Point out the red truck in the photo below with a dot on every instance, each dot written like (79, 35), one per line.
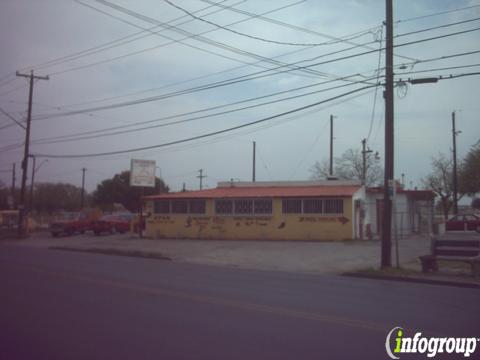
(112, 223)
(70, 223)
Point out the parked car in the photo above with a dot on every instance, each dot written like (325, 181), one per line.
(112, 223)
(70, 223)
(466, 222)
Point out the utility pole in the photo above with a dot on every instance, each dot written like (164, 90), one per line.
(201, 176)
(455, 182)
(386, 252)
(31, 183)
(83, 189)
(254, 164)
(364, 161)
(331, 146)
(21, 206)
(13, 180)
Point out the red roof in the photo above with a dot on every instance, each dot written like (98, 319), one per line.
(269, 192)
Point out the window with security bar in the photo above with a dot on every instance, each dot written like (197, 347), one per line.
(313, 206)
(244, 206)
(223, 207)
(262, 206)
(197, 206)
(333, 206)
(292, 206)
(161, 207)
(179, 206)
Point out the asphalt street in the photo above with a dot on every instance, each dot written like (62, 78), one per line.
(66, 305)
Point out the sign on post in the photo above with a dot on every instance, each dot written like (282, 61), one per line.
(142, 173)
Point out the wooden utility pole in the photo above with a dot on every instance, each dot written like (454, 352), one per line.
(331, 146)
(386, 252)
(201, 176)
(21, 206)
(82, 199)
(31, 183)
(13, 180)
(455, 181)
(365, 151)
(254, 164)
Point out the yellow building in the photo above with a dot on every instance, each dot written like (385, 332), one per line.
(324, 210)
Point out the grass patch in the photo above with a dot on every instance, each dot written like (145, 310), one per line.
(393, 271)
(113, 251)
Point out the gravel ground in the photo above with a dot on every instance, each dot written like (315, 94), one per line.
(290, 256)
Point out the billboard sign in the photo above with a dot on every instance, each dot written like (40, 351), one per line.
(142, 173)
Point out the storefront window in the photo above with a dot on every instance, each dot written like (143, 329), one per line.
(312, 206)
(162, 206)
(292, 206)
(223, 207)
(243, 206)
(197, 206)
(179, 206)
(333, 206)
(262, 206)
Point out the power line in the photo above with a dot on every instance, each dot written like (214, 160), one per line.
(333, 39)
(358, 45)
(238, 32)
(113, 43)
(262, 74)
(437, 14)
(376, 90)
(211, 133)
(437, 27)
(437, 69)
(346, 38)
(68, 137)
(437, 37)
(188, 35)
(444, 57)
(229, 136)
(12, 118)
(13, 90)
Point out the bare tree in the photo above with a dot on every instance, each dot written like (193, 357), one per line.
(469, 174)
(349, 166)
(440, 181)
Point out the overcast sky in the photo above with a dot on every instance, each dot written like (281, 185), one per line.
(126, 65)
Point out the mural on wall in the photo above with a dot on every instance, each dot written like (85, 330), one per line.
(201, 222)
(218, 223)
(162, 219)
(343, 220)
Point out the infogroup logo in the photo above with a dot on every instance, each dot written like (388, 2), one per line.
(397, 343)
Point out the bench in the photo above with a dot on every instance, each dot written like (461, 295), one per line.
(453, 250)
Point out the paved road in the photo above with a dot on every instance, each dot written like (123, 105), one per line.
(64, 305)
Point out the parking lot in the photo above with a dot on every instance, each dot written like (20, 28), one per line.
(290, 256)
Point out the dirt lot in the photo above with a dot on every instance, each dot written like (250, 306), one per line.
(291, 256)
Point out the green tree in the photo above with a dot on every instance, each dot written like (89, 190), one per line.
(118, 190)
(50, 197)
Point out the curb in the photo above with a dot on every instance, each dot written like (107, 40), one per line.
(116, 252)
(413, 280)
